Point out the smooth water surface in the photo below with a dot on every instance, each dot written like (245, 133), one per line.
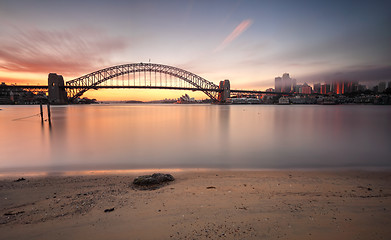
(165, 136)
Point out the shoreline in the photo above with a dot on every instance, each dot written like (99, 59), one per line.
(14, 173)
(199, 204)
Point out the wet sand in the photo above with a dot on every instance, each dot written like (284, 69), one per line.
(200, 204)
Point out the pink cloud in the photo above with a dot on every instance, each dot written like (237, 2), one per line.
(234, 34)
(71, 52)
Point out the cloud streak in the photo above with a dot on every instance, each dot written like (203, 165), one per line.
(71, 52)
(243, 26)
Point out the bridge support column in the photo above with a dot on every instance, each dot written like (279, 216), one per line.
(225, 91)
(57, 94)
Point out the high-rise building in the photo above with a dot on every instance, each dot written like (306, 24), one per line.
(278, 84)
(350, 87)
(286, 83)
(325, 88)
(338, 87)
(342, 87)
(293, 84)
(317, 88)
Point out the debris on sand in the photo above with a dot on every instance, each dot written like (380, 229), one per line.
(109, 209)
(20, 179)
(152, 182)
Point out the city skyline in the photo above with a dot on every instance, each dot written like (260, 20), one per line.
(247, 42)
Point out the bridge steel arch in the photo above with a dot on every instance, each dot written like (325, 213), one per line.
(77, 87)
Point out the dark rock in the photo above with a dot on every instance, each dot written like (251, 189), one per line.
(13, 213)
(20, 179)
(109, 210)
(211, 187)
(151, 182)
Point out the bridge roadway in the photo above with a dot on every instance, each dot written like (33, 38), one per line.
(45, 88)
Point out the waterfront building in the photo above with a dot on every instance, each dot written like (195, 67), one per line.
(283, 100)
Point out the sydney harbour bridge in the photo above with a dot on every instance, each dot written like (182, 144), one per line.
(135, 75)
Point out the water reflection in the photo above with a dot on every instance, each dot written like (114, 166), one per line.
(172, 136)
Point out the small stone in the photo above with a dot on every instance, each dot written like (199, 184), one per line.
(109, 209)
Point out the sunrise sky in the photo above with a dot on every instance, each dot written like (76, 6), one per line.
(248, 42)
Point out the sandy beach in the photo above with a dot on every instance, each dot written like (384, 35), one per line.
(199, 204)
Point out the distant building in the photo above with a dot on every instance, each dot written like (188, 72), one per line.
(283, 100)
(350, 87)
(305, 89)
(284, 83)
(362, 88)
(297, 88)
(325, 88)
(270, 90)
(382, 87)
(343, 87)
(186, 99)
(338, 88)
(293, 84)
(317, 87)
(278, 84)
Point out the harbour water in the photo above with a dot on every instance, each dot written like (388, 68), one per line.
(133, 136)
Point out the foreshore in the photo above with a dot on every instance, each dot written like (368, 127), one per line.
(199, 204)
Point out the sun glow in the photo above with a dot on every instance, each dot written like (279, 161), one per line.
(140, 94)
(12, 77)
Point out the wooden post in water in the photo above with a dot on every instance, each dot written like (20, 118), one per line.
(49, 117)
(41, 111)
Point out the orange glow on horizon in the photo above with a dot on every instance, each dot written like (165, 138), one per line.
(12, 77)
(140, 94)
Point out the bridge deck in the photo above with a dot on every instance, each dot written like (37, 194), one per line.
(43, 87)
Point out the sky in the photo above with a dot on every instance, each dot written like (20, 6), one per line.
(248, 42)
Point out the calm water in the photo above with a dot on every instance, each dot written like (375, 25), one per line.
(166, 136)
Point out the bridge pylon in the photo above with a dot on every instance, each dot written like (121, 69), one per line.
(57, 94)
(224, 91)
